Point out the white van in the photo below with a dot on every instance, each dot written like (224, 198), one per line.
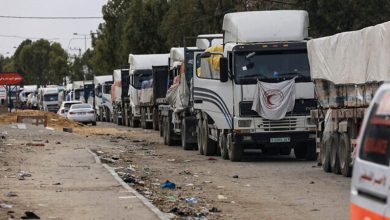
(371, 172)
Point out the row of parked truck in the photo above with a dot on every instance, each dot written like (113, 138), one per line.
(202, 96)
(263, 84)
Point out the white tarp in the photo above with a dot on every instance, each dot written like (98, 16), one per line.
(116, 87)
(178, 94)
(352, 57)
(273, 100)
(265, 26)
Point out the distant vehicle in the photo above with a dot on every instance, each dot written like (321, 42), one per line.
(103, 103)
(369, 191)
(28, 89)
(65, 106)
(48, 99)
(83, 113)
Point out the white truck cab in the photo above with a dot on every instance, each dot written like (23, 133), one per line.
(371, 171)
(103, 103)
(266, 46)
(140, 71)
(48, 99)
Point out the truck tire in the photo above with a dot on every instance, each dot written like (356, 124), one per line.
(334, 153)
(325, 153)
(209, 146)
(345, 155)
(222, 146)
(164, 127)
(142, 119)
(235, 150)
(199, 136)
(155, 119)
(160, 126)
(169, 133)
(184, 136)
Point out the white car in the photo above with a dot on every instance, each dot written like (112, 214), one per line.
(83, 113)
(63, 111)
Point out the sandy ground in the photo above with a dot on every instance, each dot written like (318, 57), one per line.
(257, 188)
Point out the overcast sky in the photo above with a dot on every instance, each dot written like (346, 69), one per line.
(12, 31)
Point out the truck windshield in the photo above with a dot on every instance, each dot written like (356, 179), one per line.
(376, 139)
(50, 97)
(78, 93)
(271, 66)
(140, 76)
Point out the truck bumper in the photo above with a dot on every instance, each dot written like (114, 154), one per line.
(275, 138)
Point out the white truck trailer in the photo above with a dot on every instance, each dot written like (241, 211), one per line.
(347, 69)
(103, 103)
(140, 72)
(260, 94)
(48, 99)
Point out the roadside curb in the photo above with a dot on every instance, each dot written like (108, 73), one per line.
(146, 202)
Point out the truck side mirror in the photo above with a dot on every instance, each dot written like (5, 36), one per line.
(224, 70)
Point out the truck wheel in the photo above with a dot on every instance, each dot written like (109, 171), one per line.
(164, 128)
(142, 119)
(345, 155)
(155, 120)
(334, 155)
(325, 153)
(160, 127)
(184, 136)
(223, 147)
(199, 137)
(209, 146)
(169, 133)
(235, 150)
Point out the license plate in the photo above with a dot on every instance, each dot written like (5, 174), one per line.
(280, 140)
(82, 113)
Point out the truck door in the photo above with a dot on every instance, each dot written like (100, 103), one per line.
(209, 94)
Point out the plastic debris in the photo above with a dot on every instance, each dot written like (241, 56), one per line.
(222, 197)
(168, 184)
(214, 209)
(69, 130)
(212, 158)
(171, 160)
(11, 194)
(235, 176)
(24, 174)
(5, 206)
(30, 215)
(191, 200)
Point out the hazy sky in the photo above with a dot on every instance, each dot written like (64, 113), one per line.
(13, 31)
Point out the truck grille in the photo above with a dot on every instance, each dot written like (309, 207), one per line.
(301, 107)
(52, 108)
(286, 124)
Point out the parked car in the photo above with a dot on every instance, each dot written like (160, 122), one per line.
(371, 172)
(65, 106)
(83, 113)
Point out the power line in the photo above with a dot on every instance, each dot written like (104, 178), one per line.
(21, 37)
(48, 18)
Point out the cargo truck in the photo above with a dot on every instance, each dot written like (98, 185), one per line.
(140, 73)
(48, 99)
(257, 92)
(177, 118)
(347, 69)
(103, 103)
(120, 96)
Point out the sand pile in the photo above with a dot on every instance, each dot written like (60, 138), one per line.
(54, 120)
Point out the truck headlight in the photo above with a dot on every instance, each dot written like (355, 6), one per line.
(244, 123)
